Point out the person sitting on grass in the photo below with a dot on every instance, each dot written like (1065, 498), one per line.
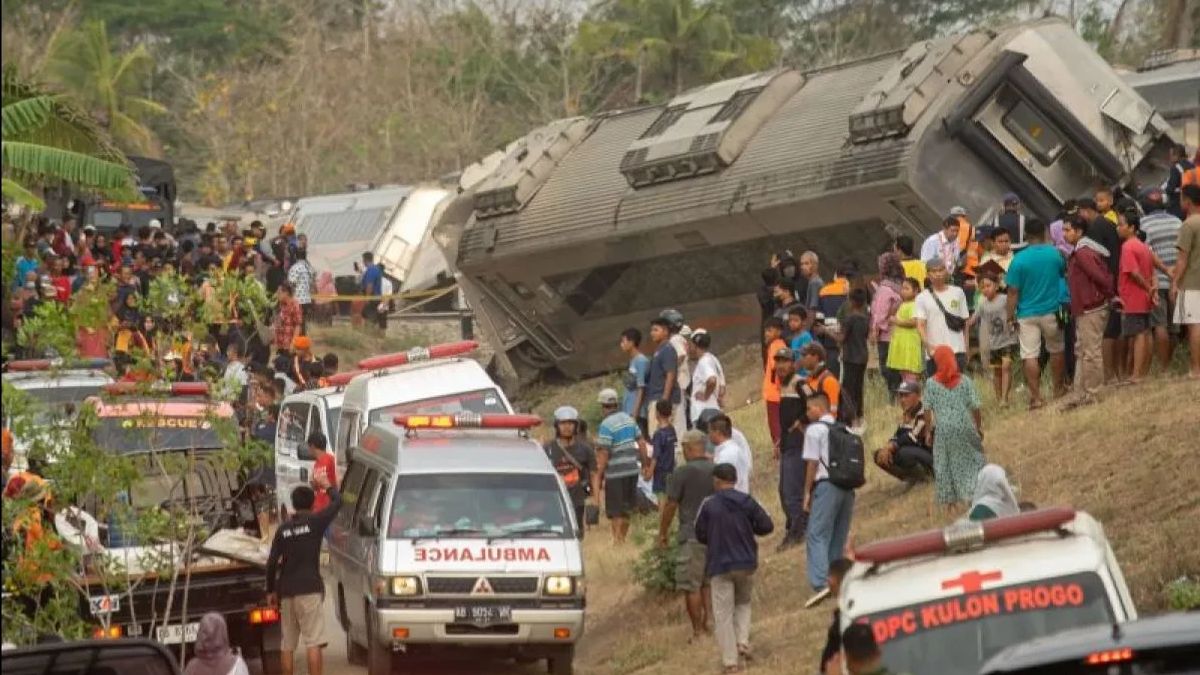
(907, 455)
(999, 343)
(994, 497)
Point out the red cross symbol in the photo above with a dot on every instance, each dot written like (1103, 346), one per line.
(972, 581)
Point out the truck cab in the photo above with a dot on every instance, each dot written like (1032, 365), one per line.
(945, 601)
(300, 415)
(456, 532)
(434, 379)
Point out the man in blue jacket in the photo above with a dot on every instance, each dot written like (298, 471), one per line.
(727, 524)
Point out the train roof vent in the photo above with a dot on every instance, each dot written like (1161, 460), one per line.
(705, 129)
(526, 166)
(897, 101)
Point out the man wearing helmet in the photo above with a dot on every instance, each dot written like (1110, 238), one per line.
(683, 373)
(573, 458)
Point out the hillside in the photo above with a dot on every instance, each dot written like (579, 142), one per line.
(1131, 461)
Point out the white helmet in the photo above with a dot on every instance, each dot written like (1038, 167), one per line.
(566, 414)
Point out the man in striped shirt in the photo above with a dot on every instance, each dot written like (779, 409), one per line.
(619, 450)
(1162, 234)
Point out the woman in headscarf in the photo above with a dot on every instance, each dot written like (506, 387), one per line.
(213, 654)
(953, 404)
(883, 307)
(994, 496)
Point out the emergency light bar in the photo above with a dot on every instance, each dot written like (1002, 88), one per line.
(417, 354)
(171, 388)
(467, 420)
(32, 365)
(964, 536)
(343, 379)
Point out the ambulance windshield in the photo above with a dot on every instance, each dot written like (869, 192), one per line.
(958, 634)
(480, 401)
(478, 505)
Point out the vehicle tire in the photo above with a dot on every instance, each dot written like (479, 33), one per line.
(379, 656)
(356, 654)
(562, 662)
(272, 662)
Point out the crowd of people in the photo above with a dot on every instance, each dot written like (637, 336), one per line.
(1094, 297)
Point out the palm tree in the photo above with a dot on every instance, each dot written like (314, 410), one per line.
(48, 140)
(678, 41)
(109, 85)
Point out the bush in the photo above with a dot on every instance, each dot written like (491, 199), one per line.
(654, 568)
(1183, 594)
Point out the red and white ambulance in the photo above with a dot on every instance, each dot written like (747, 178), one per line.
(945, 601)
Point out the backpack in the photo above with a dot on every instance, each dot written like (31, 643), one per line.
(847, 459)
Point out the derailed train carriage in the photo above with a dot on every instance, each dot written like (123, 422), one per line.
(591, 225)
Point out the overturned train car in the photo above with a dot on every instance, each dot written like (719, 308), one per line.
(591, 225)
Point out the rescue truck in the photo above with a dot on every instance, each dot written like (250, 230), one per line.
(456, 532)
(435, 379)
(945, 601)
(225, 572)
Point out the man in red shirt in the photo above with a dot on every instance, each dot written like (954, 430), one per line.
(287, 317)
(1138, 292)
(62, 282)
(324, 471)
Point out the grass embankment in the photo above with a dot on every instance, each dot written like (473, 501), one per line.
(1131, 461)
(353, 343)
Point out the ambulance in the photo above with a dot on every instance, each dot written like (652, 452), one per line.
(455, 533)
(435, 379)
(300, 415)
(55, 388)
(945, 601)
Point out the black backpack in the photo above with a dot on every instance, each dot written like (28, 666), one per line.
(847, 459)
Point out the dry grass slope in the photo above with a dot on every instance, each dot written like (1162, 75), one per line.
(1133, 461)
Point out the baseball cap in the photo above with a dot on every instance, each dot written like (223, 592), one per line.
(672, 316)
(958, 211)
(686, 331)
(1153, 195)
(785, 354)
(155, 223)
(908, 388)
(1011, 198)
(607, 397)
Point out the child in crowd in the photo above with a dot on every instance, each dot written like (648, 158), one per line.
(856, 325)
(904, 353)
(663, 454)
(801, 336)
(998, 342)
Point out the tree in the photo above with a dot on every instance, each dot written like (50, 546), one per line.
(110, 85)
(49, 140)
(673, 44)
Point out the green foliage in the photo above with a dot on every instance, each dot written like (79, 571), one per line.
(109, 84)
(91, 305)
(49, 331)
(1183, 594)
(654, 569)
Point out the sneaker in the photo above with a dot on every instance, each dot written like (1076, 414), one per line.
(817, 598)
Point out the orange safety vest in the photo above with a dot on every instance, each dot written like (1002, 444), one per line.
(967, 243)
(1191, 176)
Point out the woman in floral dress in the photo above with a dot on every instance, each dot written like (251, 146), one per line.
(953, 405)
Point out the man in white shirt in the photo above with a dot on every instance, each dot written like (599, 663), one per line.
(943, 244)
(706, 376)
(729, 450)
(931, 317)
(829, 507)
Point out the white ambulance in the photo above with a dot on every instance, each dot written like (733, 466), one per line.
(456, 532)
(435, 379)
(300, 415)
(945, 601)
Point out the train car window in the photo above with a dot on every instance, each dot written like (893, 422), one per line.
(1034, 132)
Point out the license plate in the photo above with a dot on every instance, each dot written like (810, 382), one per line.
(104, 604)
(173, 635)
(483, 615)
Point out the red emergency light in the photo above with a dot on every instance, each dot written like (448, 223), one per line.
(963, 536)
(466, 420)
(343, 379)
(417, 354)
(171, 388)
(33, 365)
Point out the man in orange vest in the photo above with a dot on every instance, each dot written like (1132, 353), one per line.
(971, 250)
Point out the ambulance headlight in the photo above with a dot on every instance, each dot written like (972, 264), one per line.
(559, 585)
(404, 586)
